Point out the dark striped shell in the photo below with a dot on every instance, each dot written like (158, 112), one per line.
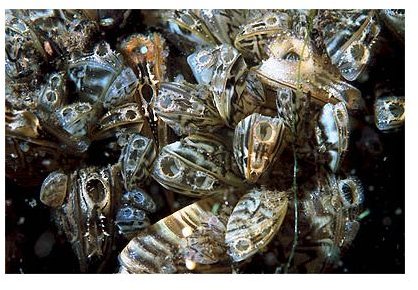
(86, 217)
(136, 159)
(186, 23)
(224, 24)
(257, 141)
(254, 221)
(125, 116)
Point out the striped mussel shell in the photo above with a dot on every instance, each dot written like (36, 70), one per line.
(124, 116)
(187, 24)
(187, 108)
(136, 159)
(196, 166)
(86, 214)
(223, 23)
(54, 189)
(175, 244)
(224, 69)
(349, 43)
(254, 37)
(254, 221)
(258, 140)
(332, 134)
(102, 77)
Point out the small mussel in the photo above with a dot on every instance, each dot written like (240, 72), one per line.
(389, 113)
(126, 116)
(132, 215)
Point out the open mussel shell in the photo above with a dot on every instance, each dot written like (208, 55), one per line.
(196, 166)
(310, 73)
(389, 113)
(258, 140)
(254, 221)
(187, 108)
(332, 134)
(165, 246)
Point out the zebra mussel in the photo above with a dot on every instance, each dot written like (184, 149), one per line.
(196, 141)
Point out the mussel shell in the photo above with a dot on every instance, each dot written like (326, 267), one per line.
(310, 73)
(258, 140)
(196, 166)
(186, 23)
(160, 249)
(136, 159)
(88, 213)
(128, 115)
(54, 189)
(187, 108)
(224, 24)
(254, 36)
(389, 113)
(102, 77)
(350, 43)
(332, 134)
(254, 221)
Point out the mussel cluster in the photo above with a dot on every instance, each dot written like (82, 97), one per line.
(191, 141)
